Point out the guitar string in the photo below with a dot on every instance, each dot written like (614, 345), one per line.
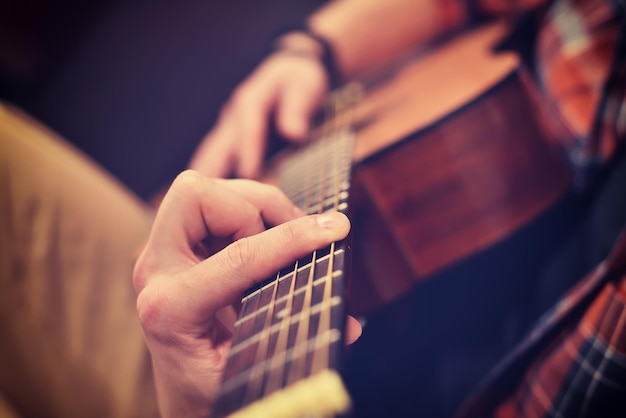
(313, 188)
(276, 372)
(298, 364)
(255, 387)
(255, 383)
(321, 357)
(274, 376)
(298, 361)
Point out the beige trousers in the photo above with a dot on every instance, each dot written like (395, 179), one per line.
(70, 344)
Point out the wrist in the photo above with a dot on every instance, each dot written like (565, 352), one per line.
(177, 395)
(299, 42)
(302, 42)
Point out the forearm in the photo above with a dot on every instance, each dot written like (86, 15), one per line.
(366, 33)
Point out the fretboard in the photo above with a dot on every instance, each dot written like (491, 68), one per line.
(288, 339)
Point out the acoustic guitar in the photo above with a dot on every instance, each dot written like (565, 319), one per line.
(433, 173)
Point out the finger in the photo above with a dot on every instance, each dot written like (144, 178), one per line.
(222, 278)
(353, 330)
(253, 110)
(298, 101)
(196, 207)
(274, 206)
(214, 156)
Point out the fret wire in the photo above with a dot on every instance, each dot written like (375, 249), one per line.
(284, 313)
(315, 309)
(298, 367)
(259, 368)
(285, 277)
(247, 304)
(298, 363)
(303, 327)
(274, 379)
(318, 188)
(255, 385)
(320, 359)
(298, 291)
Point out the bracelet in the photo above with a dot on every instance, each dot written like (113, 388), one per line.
(325, 55)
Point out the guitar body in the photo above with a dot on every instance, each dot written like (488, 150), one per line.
(458, 156)
(453, 216)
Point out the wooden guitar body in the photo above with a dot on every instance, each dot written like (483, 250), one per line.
(458, 155)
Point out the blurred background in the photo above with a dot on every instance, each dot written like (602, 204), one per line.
(134, 83)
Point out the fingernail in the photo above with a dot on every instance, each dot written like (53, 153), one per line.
(331, 220)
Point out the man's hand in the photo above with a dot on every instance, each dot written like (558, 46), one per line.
(287, 84)
(208, 245)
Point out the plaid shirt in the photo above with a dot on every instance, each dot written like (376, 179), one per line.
(575, 48)
(574, 362)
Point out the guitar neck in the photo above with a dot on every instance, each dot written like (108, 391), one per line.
(288, 339)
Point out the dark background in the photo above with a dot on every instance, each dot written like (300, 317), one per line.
(134, 83)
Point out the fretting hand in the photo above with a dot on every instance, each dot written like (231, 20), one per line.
(207, 246)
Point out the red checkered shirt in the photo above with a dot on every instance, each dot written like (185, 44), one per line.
(573, 364)
(574, 361)
(574, 52)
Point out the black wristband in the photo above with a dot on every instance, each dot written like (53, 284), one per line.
(326, 56)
